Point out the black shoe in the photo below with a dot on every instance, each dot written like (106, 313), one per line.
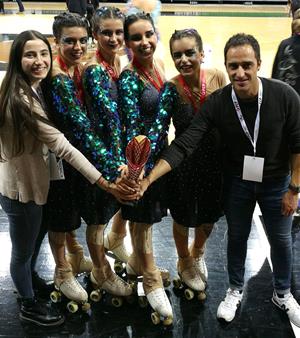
(40, 286)
(39, 313)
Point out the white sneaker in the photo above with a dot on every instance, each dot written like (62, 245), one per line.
(229, 305)
(288, 304)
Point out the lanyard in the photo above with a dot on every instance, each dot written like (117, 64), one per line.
(188, 92)
(111, 71)
(241, 117)
(76, 78)
(147, 76)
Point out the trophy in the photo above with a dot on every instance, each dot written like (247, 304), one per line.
(137, 154)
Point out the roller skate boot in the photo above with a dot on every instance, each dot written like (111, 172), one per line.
(114, 246)
(198, 255)
(79, 262)
(157, 298)
(104, 280)
(189, 279)
(201, 266)
(67, 285)
(134, 270)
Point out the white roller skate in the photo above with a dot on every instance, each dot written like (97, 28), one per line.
(134, 270)
(114, 246)
(157, 298)
(198, 255)
(189, 279)
(79, 262)
(105, 280)
(66, 284)
(201, 266)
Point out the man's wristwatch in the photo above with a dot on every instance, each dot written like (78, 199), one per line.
(295, 189)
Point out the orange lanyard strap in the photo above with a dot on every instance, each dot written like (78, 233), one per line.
(147, 76)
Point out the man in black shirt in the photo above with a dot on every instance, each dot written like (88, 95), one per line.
(259, 123)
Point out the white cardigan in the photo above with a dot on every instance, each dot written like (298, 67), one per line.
(26, 177)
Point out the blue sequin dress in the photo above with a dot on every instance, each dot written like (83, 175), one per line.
(193, 188)
(75, 197)
(138, 103)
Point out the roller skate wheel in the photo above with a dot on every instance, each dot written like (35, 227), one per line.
(118, 266)
(177, 283)
(72, 307)
(168, 321)
(201, 296)
(189, 294)
(143, 302)
(95, 296)
(117, 301)
(55, 296)
(85, 307)
(155, 318)
(166, 283)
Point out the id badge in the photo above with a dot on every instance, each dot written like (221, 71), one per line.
(56, 168)
(253, 168)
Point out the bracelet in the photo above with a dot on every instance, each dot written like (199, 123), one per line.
(104, 184)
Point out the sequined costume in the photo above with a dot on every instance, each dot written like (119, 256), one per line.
(74, 197)
(193, 188)
(138, 102)
(101, 95)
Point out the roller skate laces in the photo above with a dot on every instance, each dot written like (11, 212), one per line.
(189, 273)
(79, 262)
(156, 295)
(115, 243)
(110, 282)
(201, 266)
(65, 282)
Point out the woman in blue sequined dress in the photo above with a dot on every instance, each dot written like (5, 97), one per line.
(139, 86)
(194, 188)
(100, 88)
(73, 198)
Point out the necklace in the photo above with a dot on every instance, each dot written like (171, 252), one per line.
(111, 70)
(194, 97)
(76, 77)
(156, 83)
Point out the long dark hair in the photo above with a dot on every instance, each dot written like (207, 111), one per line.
(15, 86)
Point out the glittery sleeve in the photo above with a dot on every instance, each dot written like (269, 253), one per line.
(103, 111)
(130, 88)
(70, 117)
(168, 101)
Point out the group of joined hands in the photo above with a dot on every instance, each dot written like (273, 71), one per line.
(125, 189)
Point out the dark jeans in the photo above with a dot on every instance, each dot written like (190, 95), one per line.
(20, 4)
(240, 198)
(24, 226)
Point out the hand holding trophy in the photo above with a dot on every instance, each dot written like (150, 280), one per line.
(137, 154)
